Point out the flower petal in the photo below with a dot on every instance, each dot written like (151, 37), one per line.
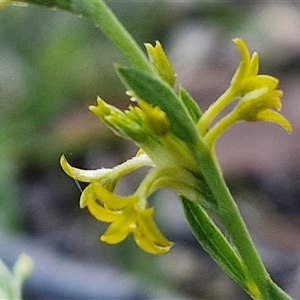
(82, 175)
(156, 119)
(258, 100)
(145, 244)
(119, 229)
(148, 236)
(274, 117)
(111, 200)
(87, 196)
(259, 81)
(243, 67)
(253, 65)
(101, 213)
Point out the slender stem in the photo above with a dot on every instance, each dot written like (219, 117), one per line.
(114, 30)
(214, 109)
(234, 225)
(214, 133)
(236, 228)
(277, 293)
(101, 14)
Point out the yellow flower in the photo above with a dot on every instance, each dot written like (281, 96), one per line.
(246, 77)
(127, 215)
(131, 214)
(258, 99)
(171, 131)
(161, 63)
(149, 128)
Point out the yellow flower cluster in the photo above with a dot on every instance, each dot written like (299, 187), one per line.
(131, 214)
(126, 214)
(258, 99)
(164, 148)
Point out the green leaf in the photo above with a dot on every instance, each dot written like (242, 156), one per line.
(214, 242)
(6, 283)
(190, 104)
(153, 90)
(11, 282)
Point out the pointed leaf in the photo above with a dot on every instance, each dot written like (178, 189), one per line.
(190, 104)
(214, 242)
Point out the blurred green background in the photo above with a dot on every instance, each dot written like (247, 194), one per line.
(53, 65)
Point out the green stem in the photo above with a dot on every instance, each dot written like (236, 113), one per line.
(115, 31)
(217, 129)
(277, 293)
(214, 109)
(233, 223)
(101, 14)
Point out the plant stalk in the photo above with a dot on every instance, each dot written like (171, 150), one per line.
(230, 217)
(228, 210)
(114, 30)
(107, 21)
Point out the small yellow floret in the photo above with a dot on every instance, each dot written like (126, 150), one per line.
(258, 99)
(126, 216)
(156, 118)
(161, 62)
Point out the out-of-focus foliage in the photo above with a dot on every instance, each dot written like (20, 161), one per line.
(49, 73)
(11, 282)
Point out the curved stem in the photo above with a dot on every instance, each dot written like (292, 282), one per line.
(214, 109)
(213, 134)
